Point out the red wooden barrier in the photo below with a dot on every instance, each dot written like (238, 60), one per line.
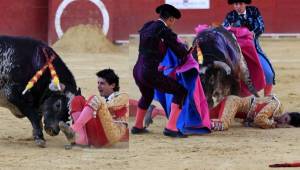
(24, 18)
(48, 19)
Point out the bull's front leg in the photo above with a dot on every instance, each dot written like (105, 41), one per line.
(36, 121)
(26, 106)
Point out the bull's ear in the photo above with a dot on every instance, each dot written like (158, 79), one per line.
(62, 86)
(78, 92)
(38, 61)
(203, 70)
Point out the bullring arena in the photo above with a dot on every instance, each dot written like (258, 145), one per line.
(85, 50)
(238, 148)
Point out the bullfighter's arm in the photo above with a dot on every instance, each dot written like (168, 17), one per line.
(233, 104)
(170, 38)
(227, 21)
(113, 131)
(257, 26)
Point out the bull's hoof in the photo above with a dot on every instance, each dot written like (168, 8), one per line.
(40, 143)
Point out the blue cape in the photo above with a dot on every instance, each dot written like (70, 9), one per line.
(190, 119)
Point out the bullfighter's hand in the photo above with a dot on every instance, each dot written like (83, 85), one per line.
(217, 125)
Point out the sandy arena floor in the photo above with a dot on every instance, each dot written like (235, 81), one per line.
(238, 148)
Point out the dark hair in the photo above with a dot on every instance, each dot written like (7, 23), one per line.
(165, 15)
(295, 119)
(166, 11)
(110, 76)
(235, 1)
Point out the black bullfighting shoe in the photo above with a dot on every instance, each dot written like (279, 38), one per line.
(68, 131)
(136, 131)
(174, 134)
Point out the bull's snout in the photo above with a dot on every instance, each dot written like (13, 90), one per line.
(217, 97)
(52, 131)
(216, 94)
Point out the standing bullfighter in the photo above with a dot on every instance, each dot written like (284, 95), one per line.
(155, 38)
(249, 17)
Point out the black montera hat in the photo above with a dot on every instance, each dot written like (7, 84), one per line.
(234, 1)
(169, 10)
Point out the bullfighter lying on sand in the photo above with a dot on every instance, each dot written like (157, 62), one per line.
(264, 112)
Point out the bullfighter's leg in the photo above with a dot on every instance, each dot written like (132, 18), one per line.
(76, 108)
(82, 139)
(171, 86)
(26, 106)
(269, 75)
(85, 115)
(114, 129)
(265, 117)
(143, 104)
(76, 132)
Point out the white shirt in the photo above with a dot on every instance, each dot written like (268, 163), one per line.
(114, 94)
(163, 22)
(245, 14)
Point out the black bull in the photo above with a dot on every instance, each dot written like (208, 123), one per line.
(20, 59)
(223, 67)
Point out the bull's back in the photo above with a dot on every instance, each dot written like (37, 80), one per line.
(24, 57)
(218, 44)
(21, 47)
(16, 67)
(16, 56)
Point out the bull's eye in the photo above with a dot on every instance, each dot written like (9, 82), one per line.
(211, 80)
(57, 105)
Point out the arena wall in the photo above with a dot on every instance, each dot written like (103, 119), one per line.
(24, 18)
(39, 18)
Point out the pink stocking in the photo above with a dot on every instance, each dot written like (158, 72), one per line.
(80, 119)
(175, 110)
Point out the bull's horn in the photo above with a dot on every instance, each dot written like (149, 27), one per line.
(220, 64)
(203, 70)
